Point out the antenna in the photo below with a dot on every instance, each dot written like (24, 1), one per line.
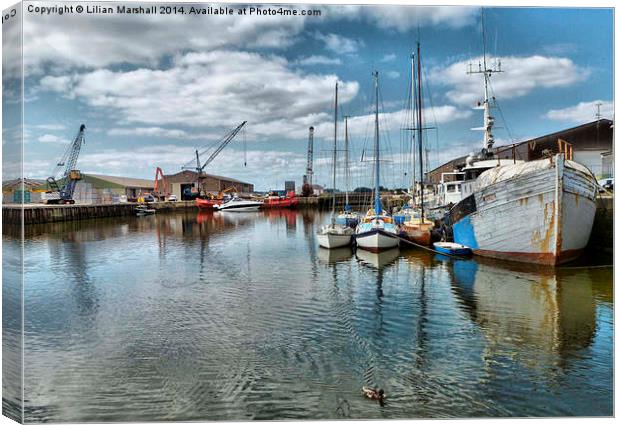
(487, 71)
(598, 110)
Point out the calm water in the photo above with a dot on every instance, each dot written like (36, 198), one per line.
(243, 316)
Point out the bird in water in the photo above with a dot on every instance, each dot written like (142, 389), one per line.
(374, 393)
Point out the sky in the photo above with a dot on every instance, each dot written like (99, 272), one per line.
(153, 88)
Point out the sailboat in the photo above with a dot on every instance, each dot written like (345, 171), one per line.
(416, 227)
(376, 231)
(540, 211)
(334, 235)
(347, 217)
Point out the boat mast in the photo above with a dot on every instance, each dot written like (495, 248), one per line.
(378, 208)
(412, 107)
(346, 163)
(489, 120)
(420, 134)
(334, 156)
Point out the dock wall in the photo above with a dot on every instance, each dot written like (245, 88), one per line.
(35, 214)
(602, 236)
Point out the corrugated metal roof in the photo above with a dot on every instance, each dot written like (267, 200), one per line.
(124, 181)
(190, 176)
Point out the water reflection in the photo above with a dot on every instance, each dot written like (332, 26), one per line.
(331, 256)
(205, 316)
(549, 312)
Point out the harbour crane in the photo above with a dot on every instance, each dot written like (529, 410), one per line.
(160, 187)
(306, 188)
(70, 176)
(200, 167)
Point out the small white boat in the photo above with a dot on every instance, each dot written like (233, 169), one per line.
(237, 204)
(452, 248)
(334, 236)
(144, 210)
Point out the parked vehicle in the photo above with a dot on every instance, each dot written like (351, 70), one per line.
(172, 198)
(606, 184)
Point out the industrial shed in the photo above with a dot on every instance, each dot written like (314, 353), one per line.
(178, 183)
(103, 189)
(591, 144)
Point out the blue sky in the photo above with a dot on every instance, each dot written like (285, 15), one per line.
(152, 89)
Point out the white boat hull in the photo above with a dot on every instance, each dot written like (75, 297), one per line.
(241, 209)
(543, 216)
(331, 240)
(239, 205)
(376, 240)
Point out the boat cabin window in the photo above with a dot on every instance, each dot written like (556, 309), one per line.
(452, 188)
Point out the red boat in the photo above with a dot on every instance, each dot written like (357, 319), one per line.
(276, 201)
(207, 204)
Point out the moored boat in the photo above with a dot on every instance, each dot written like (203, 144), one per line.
(451, 248)
(144, 210)
(415, 226)
(274, 200)
(376, 231)
(208, 204)
(540, 211)
(335, 235)
(237, 204)
(417, 230)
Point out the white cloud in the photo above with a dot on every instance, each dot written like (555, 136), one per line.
(339, 44)
(50, 138)
(318, 60)
(405, 18)
(94, 41)
(393, 74)
(150, 132)
(394, 121)
(582, 112)
(240, 86)
(51, 127)
(521, 76)
(388, 58)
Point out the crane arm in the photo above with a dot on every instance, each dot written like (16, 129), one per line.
(227, 139)
(69, 159)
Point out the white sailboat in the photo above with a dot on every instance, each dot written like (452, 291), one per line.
(334, 235)
(376, 231)
(540, 211)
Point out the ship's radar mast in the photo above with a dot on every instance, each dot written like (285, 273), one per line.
(487, 70)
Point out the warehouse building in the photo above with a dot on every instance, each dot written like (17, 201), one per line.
(178, 184)
(17, 191)
(103, 189)
(591, 144)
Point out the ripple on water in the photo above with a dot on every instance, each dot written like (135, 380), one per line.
(223, 316)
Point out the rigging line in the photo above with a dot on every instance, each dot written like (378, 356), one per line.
(430, 100)
(501, 112)
(387, 139)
